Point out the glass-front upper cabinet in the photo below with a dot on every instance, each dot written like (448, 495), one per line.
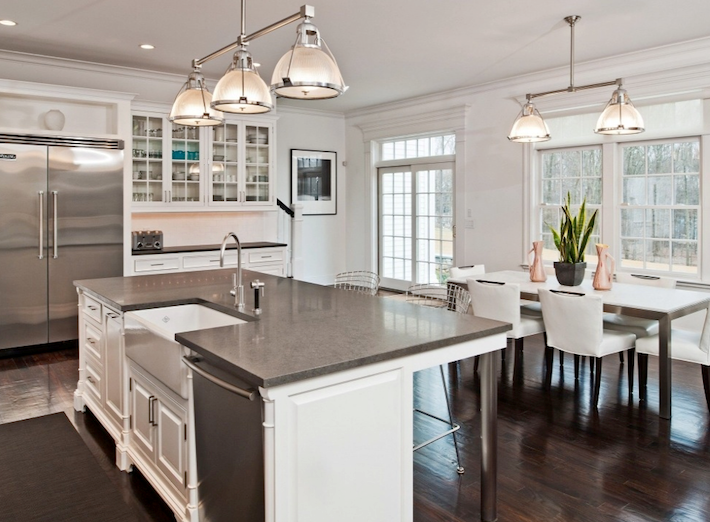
(257, 182)
(147, 157)
(241, 165)
(225, 165)
(185, 177)
(229, 166)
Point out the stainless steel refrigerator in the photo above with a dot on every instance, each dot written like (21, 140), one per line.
(61, 219)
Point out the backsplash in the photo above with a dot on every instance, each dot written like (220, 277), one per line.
(207, 228)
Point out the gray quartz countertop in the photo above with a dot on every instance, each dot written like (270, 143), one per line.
(305, 330)
(205, 248)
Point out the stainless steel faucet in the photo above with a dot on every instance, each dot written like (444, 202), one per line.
(238, 290)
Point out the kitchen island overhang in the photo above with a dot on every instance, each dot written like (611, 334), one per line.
(335, 374)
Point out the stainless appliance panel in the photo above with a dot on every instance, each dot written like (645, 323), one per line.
(23, 245)
(85, 225)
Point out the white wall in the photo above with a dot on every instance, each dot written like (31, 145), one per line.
(495, 186)
(324, 237)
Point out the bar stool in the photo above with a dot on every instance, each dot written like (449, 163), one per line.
(361, 281)
(455, 299)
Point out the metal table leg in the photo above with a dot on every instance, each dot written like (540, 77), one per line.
(664, 366)
(489, 437)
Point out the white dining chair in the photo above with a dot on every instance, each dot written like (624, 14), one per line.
(361, 281)
(461, 272)
(573, 322)
(456, 299)
(636, 325)
(688, 346)
(501, 301)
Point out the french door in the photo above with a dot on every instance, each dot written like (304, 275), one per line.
(416, 224)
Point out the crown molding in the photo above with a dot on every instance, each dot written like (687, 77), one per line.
(648, 65)
(47, 90)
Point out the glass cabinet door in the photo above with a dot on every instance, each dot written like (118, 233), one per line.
(185, 165)
(225, 164)
(147, 157)
(257, 183)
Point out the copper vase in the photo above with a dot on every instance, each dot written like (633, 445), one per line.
(537, 269)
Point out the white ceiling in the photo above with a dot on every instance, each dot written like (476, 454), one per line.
(387, 49)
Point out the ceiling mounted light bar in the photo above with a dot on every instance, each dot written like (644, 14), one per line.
(304, 72)
(619, 116)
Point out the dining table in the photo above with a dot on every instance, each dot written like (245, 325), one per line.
(648, 302)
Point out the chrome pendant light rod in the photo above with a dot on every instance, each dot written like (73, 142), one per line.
(572, 20)
(306, 11)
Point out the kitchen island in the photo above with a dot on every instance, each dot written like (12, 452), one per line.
(334, 375)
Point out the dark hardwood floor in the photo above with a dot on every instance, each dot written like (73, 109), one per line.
(559, 460)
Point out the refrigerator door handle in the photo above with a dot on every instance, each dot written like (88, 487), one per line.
(41, 222)
(56, 226)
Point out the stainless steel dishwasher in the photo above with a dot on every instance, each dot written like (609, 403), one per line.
(229, 445)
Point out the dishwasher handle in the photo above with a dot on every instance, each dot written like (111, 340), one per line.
(191, 363)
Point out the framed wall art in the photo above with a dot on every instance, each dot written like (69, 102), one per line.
(313, 181)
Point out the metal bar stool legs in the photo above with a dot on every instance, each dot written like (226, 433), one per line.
(453, 427)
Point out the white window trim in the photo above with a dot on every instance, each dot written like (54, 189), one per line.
(448, 120)
(611, 197)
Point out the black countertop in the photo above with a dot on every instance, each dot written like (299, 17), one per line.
(204, 248)
(305, 330)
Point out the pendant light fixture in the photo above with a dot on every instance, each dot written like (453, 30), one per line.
(307, 71)
(192, 104)
(241, 89)
(619, 117)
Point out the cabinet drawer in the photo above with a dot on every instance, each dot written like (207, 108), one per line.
(208, 261)
(92, 340)
(270, 256)
(277, 270)
(92, 308)
(156, 265)
(94, 370)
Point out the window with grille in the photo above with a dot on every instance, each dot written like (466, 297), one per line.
(420, 147)
(660, 207)
(579, 173)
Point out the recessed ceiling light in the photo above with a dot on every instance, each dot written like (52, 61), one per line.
(147, 46)
(8, 22)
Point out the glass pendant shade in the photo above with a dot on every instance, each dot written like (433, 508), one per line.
(619, 116)
(241, 90)
(529, 127)
(192, 104)
(307, 71)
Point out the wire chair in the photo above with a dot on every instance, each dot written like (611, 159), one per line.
(456, 299)
(360, 281)
(451, 297)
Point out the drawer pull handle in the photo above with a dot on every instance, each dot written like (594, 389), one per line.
(157, 264)
(265, 257)
(112, 316)
(91, 380)
(191, 362)
(92, 308)
(92, 341)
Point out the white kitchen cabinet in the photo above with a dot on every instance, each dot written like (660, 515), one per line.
(227, 167)
(101, 355)
(242, 165)
(269, 260)
(159, 431)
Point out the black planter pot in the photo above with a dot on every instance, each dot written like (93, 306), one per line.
(570, 274)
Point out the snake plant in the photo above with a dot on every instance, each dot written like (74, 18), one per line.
(573, 235)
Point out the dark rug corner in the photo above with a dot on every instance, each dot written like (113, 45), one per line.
(48, 473)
